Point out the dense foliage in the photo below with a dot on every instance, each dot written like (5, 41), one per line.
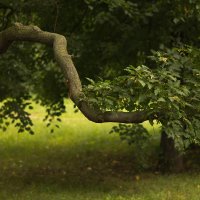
(170, 90)
(156, 42)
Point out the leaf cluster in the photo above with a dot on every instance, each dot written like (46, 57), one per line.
(170, 90)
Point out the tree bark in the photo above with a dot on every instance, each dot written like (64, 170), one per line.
(171, 160)
(19, 32)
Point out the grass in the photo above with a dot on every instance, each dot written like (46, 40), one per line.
(81, 161)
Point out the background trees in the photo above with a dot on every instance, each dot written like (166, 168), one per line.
(105, 36)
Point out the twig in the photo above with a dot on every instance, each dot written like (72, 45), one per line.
(56, 18)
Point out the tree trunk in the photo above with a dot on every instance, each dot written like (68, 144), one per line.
(171, 160)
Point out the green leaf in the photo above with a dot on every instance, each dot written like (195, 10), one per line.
(161, 99)
(142, 82)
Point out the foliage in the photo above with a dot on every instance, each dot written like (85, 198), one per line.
(139, 137)
(104, 36)
(13, 111)
(32, 78)
(135, 133)
(171, 91)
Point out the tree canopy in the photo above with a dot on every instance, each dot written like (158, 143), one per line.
(141, 59)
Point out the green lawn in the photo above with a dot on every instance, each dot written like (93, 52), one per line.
(82, 161)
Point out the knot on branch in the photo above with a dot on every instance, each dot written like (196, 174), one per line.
(18, 24)
(36, 28)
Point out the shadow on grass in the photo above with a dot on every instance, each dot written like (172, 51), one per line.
(45, 170)
(65, 168)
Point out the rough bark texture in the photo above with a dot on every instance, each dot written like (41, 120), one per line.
(19, 32)
(171, 159)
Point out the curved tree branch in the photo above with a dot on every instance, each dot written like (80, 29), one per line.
(19, 32)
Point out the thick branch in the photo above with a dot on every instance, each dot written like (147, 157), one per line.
(19, 32)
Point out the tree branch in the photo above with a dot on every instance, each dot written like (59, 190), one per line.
(19, 32)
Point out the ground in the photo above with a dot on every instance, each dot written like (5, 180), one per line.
(82, 161)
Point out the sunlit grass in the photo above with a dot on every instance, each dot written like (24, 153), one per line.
(82, 161)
